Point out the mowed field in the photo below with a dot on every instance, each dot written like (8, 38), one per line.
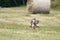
(15, 25)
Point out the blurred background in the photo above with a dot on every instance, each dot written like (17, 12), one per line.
(12, 3)
(55, 4)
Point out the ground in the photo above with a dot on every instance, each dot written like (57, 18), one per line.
(15, 22)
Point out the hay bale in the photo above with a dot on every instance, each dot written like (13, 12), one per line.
(37, 6)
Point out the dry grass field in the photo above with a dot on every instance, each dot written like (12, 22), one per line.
(15, 22)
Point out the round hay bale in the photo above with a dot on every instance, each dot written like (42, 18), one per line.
(38, 6)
